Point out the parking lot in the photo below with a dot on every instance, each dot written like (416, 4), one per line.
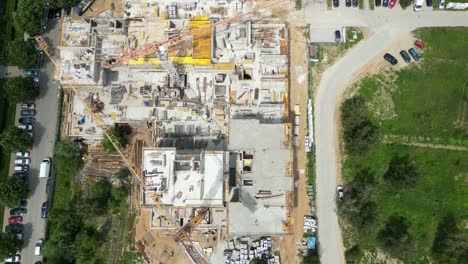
(44, 130)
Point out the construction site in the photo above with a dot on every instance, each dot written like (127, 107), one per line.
(204, 87)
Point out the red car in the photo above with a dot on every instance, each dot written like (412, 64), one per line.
(15, 219)
(392, 4)
(418, 43)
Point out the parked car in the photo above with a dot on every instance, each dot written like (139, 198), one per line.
(388, 57)
(44, 208)
(336, 3)
(428, 3)
(405, 56)
(22, 168)
(14, 259)
(441, 4)
(21, 174)
(29, 128)
(414, 54)
(418, 43)
(18, 211)
(22, 161)
(27, 120)
(22, 204)
(15, 219)
(355, 3)
(348, 3)
(28, 106)
(337, 37)
(392, 4)
(378, 2)
(14, 228)
(49, 185)
(38, 249)
(385, 3)
(340, 192)
(22, 154)
(28, 112)
(418, 5)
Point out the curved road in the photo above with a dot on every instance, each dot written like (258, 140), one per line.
(385, 26)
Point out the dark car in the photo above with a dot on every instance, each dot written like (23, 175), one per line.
(348, 3)
(44, 208)
(14, 228)
(378, 2)
(28, 112)
(18, 211)
(21, 174)
(429, 2)
(337, 37)
(355, 3)
(414, 54)
(388, 57)
(27, 120)
(405, 56)
(336, 3)
(49, 185)
(22, 204)
(385, 3)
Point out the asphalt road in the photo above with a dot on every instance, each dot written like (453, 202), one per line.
(385, 26)
(44, 139)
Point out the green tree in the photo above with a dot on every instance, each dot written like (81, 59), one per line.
(9, 245)
(101, 195)
(15, 139)
(19, 89)
(88, 247)
(22, 54)
(64, 3)
(28, 16)
(12, 191)
(394, 236)
(401, 172)
(353, 253)
(67, 158)
(450, 242)
(359, 133)
(119, 195)
(405, 3)
(358, 205)
(118, 139)
(123, 174)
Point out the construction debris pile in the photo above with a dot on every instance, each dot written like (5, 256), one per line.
(242, 251)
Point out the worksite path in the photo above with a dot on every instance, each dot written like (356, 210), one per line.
(386, 26)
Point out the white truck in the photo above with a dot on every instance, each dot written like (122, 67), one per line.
(44, 170)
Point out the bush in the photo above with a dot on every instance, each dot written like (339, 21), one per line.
(450, 242)
(12, 191)
(359, 133)
(19, 89)
(353, 253)
(15, 139)
(67, 158)
(119, 140)
(22, 54)
(28, 16)
(405, 3)
(9, 245)
(358, 204)
(401, 173)
(394, 236)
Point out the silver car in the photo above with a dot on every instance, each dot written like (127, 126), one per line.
(340, 192)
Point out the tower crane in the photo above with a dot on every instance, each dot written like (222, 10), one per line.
(182, 234)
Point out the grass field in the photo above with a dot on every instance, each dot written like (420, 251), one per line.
(430, 97)
(426, 101)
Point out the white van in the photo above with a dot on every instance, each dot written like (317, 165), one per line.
(418, 4)
(38, 249)
(44, 170)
